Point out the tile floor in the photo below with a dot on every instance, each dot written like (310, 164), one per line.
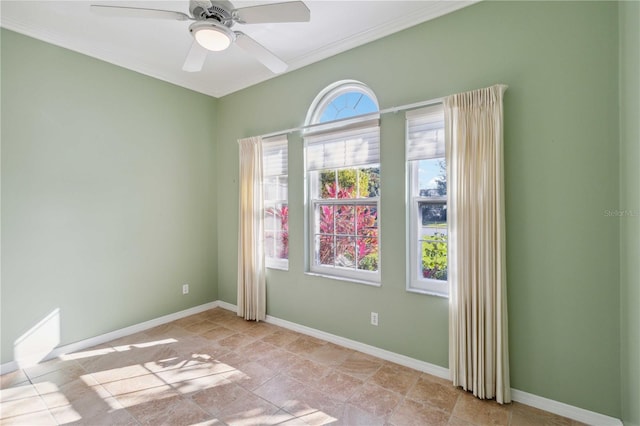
(214, 368)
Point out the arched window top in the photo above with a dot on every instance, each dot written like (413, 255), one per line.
(343, 99)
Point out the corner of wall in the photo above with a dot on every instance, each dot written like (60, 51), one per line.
(629, 111)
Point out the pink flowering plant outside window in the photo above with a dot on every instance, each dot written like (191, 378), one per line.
(277, 236)
(347, 219)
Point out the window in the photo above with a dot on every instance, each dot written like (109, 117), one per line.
(276, 207)
(427, 201)
(343, 184)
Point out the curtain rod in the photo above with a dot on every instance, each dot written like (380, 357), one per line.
(362, 116)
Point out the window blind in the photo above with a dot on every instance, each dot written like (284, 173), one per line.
(275, 156)
(340, 148)
(425, 133)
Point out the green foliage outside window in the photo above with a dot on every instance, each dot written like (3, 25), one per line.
(434, 257)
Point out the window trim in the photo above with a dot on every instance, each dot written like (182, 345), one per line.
(348, 274)
(319, 104)
(275, 262)
(331, 92)
(414, 282)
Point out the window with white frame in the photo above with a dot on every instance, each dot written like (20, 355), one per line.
(343, 184)
(276, 204)
(427, 201)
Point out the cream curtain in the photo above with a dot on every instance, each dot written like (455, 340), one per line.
(251, 269)
(478, 337)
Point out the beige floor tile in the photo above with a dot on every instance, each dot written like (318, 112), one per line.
(279, 360)
(190, 372)
(261, 330)
(256, 350)
(29, 402)
(38, 418)
(304, 345)
(215, 399)
(250, 375)
(69, 414)
(128, 400)
(170, 411)
(481, 412)
(188, 321)
(252, 411)
(356, 416)
(330, 354)
(456, 421)
(47, 367)
(134, 384)
(26, 390)
(395, 378)
(167, 331)
(411, 413)
(375, 400)
(15, 378)
(218, 332)
(359, 365)
(339, 385)
(281, 337)
(284, 392)
(306, 370)
(434, 392)
(84, 389)
(200, 327)
(236, 341)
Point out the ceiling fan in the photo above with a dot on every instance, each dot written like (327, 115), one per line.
(212, 24)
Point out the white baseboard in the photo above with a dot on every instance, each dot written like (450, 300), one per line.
(562, 409)
(103, 338)
(555, 407)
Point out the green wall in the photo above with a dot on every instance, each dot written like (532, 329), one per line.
(630, 202)
(108, 194)
(560, 60)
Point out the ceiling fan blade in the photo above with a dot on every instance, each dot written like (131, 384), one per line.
(294, 11)
(195, 58)
(135, 12)
(261, 53)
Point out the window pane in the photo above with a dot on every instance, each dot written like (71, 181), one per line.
(346, 252)
(367, 253)
(324, 213)
(433, 215)
(345, 220)
(269, 244)
(347, 183)
(282, 188)
(348, 105)
(432, 178)
(434, 257)
(281, 245)
(325, 247)
(327, 184)
(269, 186)
(370, 182)
(367, 220)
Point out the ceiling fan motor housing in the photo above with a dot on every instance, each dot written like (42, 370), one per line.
(220, 11)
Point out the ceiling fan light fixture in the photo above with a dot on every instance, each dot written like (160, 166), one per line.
(212, 36)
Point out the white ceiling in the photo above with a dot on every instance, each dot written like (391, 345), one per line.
(158, 47)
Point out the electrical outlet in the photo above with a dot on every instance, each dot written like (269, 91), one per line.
(185, 289)
(374, 318)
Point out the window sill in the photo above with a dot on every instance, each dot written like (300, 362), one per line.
(282, 265)
(278, 268)
(346, 279)
(427, 292)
